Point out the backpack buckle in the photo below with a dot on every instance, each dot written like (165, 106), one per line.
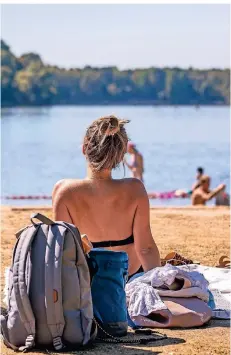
(58, 344)
(29, 344)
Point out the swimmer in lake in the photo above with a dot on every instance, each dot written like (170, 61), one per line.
(136, 166)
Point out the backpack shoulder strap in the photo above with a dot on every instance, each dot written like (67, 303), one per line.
(53, 283)
(91, 332)
(20, 287)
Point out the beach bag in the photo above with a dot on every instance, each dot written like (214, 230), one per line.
(109, 272)
(172, 298)
(180, 313)
(49, 297)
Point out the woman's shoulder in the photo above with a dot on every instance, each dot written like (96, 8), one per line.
(65, 186)
(131, 181)
(64, 182)
(135, 185)
(131, 186)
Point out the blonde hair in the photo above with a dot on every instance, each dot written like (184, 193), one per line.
(204, 178)
(105, 143)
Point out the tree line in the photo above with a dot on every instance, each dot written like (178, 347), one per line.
(27, 81)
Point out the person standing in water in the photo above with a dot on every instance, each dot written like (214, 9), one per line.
(137, 165)
(202, 194)
(200, 173)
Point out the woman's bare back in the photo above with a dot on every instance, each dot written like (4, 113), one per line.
(102, 209)
(107, 209)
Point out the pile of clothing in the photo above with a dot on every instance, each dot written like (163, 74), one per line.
(178, 296)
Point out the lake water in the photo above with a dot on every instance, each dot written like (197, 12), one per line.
(43, 145)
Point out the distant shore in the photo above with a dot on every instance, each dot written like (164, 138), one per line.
(117, 104)
(32, 82)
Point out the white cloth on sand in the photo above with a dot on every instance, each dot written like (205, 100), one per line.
(143, 293)
(218, 278)
(220, 287)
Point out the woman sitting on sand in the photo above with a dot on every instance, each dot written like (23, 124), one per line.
(113, 213)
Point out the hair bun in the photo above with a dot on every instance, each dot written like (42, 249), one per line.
(105, 143)
(113, 125)
(110, 125)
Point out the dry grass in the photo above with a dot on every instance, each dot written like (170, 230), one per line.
(198, 233)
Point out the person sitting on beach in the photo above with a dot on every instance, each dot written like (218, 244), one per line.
(114, 213)
(202, 194)
(137, 165)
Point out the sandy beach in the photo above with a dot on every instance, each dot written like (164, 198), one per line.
(198, 233)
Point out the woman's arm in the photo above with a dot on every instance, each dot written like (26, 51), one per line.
(146, 248)
(140, 162)
(60, 210)
(128, 165)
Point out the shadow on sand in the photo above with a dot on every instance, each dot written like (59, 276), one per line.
(117, 349)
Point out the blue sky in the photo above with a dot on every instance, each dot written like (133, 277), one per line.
(127, 36)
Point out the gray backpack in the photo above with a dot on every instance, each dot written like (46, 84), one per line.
(49, 295)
